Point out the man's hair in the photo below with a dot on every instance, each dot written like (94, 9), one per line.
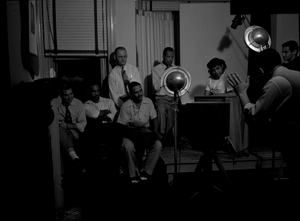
(268, 59)
(133, 84)
(166, 50)
(119, 48)
(65, 87)
(91, 82)
(216, 61)
(293, 45)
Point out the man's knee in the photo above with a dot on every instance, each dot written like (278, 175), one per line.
(158, 145)
(127, 145)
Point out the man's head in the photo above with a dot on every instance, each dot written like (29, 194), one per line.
(94, 92)
(267, 60)
(289, 50)
(168, 56)
(67, 94)
(120, 56)
(136, 91)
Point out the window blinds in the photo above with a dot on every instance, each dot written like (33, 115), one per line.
(75, 27)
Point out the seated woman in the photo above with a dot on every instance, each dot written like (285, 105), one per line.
(217, 81)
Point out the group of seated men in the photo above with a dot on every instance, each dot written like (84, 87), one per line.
(131, 124)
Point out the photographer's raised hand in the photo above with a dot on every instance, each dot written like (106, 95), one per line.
(239, 86)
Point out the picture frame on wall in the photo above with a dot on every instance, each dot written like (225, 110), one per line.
(32, 28)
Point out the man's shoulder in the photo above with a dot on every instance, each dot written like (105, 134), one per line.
(113, 71)
(77, 102)
(105, 99)
(159, 66)
(147, 100)
(130, 65)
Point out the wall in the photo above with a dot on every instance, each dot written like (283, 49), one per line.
(286, 27)
(205, 33)
(17, 71)
(24, 67)
(125, 28)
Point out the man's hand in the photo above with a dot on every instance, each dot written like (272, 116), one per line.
(66, 125)
(104, 112)
(106, 118)
(238, 85)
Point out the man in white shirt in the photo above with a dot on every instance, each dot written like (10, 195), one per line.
(165, 105)
(72, 123)
(100, 113)
(120, 76)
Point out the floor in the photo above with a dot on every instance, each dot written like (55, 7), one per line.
(254, 194)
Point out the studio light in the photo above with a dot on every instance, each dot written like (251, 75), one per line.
(257, 38)
(176, 80)
(238, 20)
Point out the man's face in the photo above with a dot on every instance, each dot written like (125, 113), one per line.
(94, 93)
(168, 58)
(121, 57)
(67, 96)
(287, 54)
(137, 94)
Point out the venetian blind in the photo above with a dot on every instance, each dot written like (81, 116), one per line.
(75, 27)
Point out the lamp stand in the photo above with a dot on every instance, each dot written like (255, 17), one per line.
(176, 95)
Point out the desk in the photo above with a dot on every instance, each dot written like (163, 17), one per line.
(238, 131)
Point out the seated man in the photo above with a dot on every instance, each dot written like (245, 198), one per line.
(100, 113)
(165, 104)
(72, 122)
(136, 116)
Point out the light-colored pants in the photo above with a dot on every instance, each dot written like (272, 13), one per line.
(135, 157)
(68, 139)
(165, 108)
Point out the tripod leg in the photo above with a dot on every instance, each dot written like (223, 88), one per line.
(203, 170)
(200, 165)
(223, 171)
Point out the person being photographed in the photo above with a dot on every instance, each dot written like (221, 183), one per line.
(217, 80)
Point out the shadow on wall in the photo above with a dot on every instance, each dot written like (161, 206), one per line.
(225, 42)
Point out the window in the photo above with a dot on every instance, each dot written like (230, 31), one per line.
(75, 27)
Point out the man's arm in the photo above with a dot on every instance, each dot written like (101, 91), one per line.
(154, 123)
(113, 93)
(81, 120)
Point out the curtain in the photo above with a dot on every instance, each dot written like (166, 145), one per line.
(154, 32)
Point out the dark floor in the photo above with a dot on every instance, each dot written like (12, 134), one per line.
(255, 195)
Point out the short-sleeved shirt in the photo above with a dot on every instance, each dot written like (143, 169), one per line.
(135, 117)
(218, 86)
(92, 109)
